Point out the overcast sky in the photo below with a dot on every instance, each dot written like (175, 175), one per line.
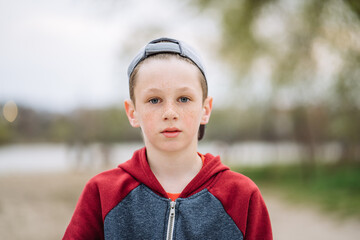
(61, 55)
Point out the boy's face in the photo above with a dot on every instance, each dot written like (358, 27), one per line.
(169, 107)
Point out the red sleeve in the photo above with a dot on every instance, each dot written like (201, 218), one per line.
(87, 222)
(242, 200)
(258, 224)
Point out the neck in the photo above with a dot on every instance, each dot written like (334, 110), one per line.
(174, 170)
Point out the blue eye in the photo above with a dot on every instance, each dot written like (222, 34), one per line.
(184, 99)
(154, 100)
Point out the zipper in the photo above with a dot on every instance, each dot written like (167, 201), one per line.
(170, 229)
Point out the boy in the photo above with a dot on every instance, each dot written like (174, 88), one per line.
(168, 190)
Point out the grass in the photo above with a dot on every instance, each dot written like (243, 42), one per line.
(335, 188)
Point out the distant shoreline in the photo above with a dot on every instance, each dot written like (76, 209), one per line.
(62, 157)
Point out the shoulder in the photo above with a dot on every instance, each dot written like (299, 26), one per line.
(242, 200)
(112, 180)
(106, 175)
(234, 188)
(107, 189)
(231, 180)
(100, 195)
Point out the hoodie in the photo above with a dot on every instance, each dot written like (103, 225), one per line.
(129, 203)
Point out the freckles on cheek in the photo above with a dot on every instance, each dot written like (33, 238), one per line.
(148, 120)
(193, 117)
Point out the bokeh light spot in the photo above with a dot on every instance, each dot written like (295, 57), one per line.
(10, 111)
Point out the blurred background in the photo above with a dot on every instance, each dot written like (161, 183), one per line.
(284, 74)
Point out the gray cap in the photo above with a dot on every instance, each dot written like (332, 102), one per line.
(166, 45)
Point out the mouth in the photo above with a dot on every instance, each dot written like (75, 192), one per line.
(171, 132)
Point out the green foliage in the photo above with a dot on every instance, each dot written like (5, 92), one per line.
(60, 129)
(104, 125)
(231, 125)
(240, 47)
(307, 36)
(335, 188)
(5, 131)
(355, 6)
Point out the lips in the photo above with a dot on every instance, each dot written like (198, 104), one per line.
(171, 132)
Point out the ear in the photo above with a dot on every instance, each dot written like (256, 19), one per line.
(131, 113)
(207, 107)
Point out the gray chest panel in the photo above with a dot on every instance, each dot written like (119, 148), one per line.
(144, 215)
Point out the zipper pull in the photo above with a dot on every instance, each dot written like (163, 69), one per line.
(172, 207)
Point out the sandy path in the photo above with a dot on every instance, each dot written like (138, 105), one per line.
(298, 222)
(40, 207)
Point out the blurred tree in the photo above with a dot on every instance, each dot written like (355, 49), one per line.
(60, 129)
(355, 6)
(313, 50)
(5, 131)
(115, 126)
(81, 126)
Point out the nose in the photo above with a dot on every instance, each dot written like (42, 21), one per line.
(170, 112)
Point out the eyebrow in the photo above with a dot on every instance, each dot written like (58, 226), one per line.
(156, 90)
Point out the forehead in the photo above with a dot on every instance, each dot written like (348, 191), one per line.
(168, 74)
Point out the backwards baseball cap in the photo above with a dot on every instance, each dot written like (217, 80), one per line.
(166, 45)
(169, 45)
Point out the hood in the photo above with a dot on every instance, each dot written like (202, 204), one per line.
(139, 168)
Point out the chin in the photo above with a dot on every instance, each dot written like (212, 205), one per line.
(174, 146)
(169, 146)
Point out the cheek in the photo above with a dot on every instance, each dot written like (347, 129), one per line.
(193, 118)
(146, 118)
